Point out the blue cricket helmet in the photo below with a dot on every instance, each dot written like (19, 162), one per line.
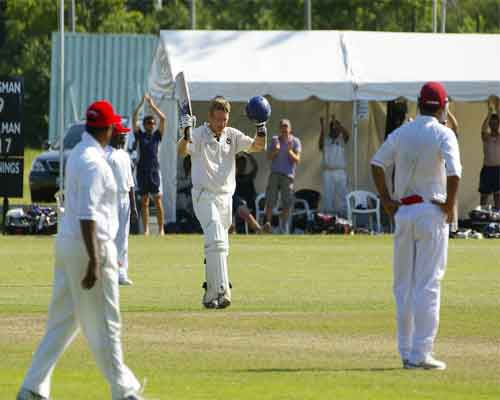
(258, 109)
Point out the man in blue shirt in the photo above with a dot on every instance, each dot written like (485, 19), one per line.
(148, 167)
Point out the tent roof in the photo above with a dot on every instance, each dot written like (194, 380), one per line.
(331, 65)
(386, 65)
(240, 64)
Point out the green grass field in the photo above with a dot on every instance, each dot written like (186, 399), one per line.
(312, 318)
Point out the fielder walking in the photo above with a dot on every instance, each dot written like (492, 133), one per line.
(426, 157)
(85, 249)
(213, 148)
(120, 164)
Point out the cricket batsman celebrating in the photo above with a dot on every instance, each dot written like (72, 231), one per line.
(427, 161)
(213, 147)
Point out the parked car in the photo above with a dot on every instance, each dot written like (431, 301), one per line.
(44, 173)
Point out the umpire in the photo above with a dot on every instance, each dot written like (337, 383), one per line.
(85, 248)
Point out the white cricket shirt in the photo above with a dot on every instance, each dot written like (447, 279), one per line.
(213, 161)
(424, 153)
(90, 191)
(120, 164)
(334, 152)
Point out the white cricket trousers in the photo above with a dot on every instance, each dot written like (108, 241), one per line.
(95, 311)
(334, 191)
(214, 211)
(420, 255)
(121, 240)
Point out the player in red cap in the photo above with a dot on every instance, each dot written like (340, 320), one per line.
(426, 157)
(85, 248)
(120, 164)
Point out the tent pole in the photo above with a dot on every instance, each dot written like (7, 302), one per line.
(434, 16)
(443, 16)
(61, 101)
(355, 137)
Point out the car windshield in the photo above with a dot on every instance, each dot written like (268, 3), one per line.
(72, 137)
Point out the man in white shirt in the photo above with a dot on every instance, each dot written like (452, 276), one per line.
(120, 164)
(334, 166)
(213, 148)
(85, 248)
(426, 157)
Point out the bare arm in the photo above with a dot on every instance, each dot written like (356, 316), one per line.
(342, 130)
(390, 206)
(485, 127)
(321, 141)
(451, 195)
(133, 206)
(160, 115)
(274, 152)
(182, 147)
(294, 155)
(88, 228)
(452, 123)
(135, 115)
(259, 144)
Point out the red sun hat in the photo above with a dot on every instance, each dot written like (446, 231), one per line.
(433, 94)
(119, 129)
(101, 114)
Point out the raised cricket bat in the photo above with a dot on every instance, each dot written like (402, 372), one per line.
(182, 91)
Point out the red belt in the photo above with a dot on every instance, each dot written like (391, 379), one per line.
(413, 199)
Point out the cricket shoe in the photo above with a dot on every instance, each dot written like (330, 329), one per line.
(125, 281)
(428, 363)
(25, 394)
(223, 300)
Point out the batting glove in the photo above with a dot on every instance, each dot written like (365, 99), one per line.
(187, 123)
(261, 129)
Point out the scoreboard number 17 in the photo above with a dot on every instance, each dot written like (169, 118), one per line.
(5, 143)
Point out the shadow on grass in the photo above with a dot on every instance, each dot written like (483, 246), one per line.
(299, 370)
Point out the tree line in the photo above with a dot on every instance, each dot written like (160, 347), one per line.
(26, 27)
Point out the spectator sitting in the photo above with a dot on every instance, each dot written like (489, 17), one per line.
(241, 210)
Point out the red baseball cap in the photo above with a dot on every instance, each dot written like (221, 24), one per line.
(433, 94)
(101, 114)
(119, 129)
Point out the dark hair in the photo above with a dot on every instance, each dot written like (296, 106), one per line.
(494, 116)
(95, 131)
(428, 109)
(148, 118)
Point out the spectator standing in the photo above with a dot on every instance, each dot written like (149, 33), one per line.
(489, 181)
(334, 166)
(284, 154)
(148, 167)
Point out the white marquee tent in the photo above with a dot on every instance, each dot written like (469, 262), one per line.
(309, 74)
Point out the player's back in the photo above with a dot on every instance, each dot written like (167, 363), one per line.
(418, 157)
